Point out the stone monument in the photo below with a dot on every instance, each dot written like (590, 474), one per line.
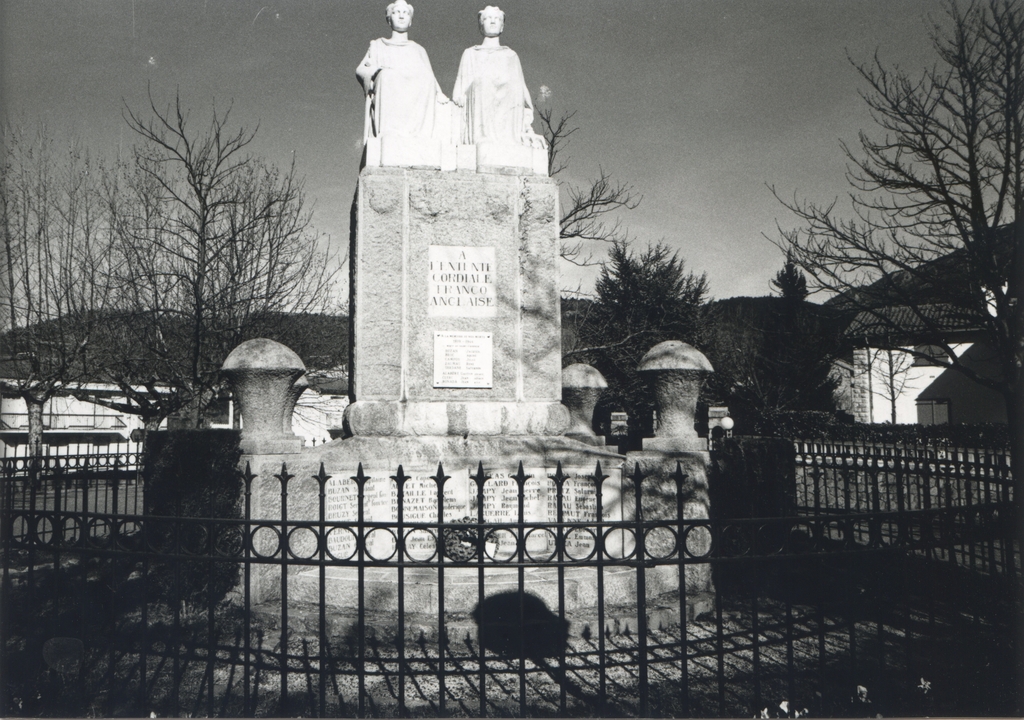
(676, 370)
(455, 342)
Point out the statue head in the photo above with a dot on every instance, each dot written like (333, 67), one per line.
(399, 15)
(492, 21)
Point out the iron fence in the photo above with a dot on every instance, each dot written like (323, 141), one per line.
(848, 477)
(857, 477)
(66, 485)
(828, 613)
(71, 442)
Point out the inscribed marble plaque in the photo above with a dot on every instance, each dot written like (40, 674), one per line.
(380, 505)
(463, 359)
(461, 282)
(501, 506)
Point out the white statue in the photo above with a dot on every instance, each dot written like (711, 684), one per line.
(491, 90)
(402, 93)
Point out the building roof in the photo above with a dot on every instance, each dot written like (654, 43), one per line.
(938, 300)
(912, 324)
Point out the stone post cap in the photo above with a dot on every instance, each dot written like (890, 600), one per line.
(675, 355)
(580, 375)
(263, 354)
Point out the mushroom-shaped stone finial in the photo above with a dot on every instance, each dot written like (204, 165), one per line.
(263, 375)
(677, 371)
(582, 385)
(300, 386)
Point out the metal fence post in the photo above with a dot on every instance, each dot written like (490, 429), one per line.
(283, 477)
(400, 478)
(480, 479)
(682, 526)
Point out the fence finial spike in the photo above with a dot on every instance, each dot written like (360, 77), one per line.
(559, 477)
(521, 477)
(284, 476)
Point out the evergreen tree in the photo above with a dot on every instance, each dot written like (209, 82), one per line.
(773, 356)
(642, 299)
(790, 281)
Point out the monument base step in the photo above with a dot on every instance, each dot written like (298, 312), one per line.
(462, 592)
(342, 624)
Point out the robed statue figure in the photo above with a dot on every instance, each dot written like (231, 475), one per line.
(402, 94)
(490, 88)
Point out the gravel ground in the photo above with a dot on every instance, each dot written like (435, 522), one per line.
(725, 676)
(950, 663)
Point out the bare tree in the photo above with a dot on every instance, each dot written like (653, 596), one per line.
(588, 212)
(212, 243)
(935, 239)
(54, 258)
(891, 368)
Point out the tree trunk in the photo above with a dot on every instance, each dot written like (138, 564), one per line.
(193, 412)
(35, 425)
(892, 387)
(1015, 414)
(149, 426)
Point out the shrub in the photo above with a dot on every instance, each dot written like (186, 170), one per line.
(193, 474)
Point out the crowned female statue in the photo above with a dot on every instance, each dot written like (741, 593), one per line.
(402, 93)
(490, 88)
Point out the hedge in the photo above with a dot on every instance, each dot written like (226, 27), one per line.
(826, 427)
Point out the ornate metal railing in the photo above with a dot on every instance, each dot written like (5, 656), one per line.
(656, 611)
(109, 483)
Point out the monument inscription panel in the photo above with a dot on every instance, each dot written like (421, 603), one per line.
(380, 505)
(463, 359)
(500, 507)
(461, 281)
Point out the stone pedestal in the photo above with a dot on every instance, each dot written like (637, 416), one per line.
(455, 305)
(582, 386)
(419, 457)
(661, 502)
(427, 154)
(456, 360)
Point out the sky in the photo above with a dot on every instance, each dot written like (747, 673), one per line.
(700, 105)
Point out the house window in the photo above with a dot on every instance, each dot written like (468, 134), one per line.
(933, 412)
(220, 413)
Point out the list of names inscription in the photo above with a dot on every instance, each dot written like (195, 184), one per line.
(463, 359)
(500, 507)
